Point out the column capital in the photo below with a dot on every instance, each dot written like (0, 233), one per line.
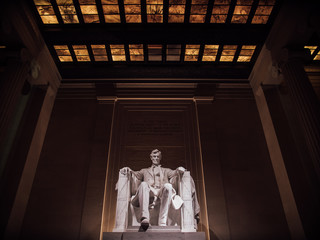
(299, 54)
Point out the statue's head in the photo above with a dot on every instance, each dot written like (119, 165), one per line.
(155, 156)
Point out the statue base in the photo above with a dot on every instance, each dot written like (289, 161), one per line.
(153, 235)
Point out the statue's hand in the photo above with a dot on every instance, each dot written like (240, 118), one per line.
(181, 169)
(125, 170)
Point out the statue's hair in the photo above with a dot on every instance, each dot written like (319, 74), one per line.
(155, 151)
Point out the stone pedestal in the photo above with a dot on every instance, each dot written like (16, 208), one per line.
(154, 236)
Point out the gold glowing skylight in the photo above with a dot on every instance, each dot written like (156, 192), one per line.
(228, 53)
(246, 53)
(210, 53)
(312, 50)
(89, 11)
(191, 52)
(176, 11)
(155, 52)
(99, 53)
(173, 52)
(111, 11)
(220, 11)
(81, 53)
(118, 52)
(136, 52)
(241, 11)
(63, 53)
(132, 9)
(263, 11)
(198, 11)
(46, 11)
(154, 11)
(67, 11)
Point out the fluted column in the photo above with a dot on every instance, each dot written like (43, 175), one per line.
(305, 100)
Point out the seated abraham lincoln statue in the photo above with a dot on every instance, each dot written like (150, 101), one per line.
(159, 185)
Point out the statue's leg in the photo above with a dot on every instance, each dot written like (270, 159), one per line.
(165, 196)
(144, 193)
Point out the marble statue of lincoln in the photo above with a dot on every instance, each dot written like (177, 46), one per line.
(155, 185)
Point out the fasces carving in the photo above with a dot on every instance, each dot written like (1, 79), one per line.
(156, 190)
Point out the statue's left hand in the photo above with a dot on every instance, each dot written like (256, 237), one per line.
(125, 170)
(181, 169)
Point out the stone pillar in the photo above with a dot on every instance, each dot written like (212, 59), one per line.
(12, 80)
(305, 100)
(123, 198)
(187, 214)
(263, 72)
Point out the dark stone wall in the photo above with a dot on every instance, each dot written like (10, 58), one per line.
(242, 195)
(67, 194)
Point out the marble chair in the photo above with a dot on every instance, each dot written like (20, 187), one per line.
(127, 216)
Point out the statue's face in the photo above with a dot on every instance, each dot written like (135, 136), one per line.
(156, 158)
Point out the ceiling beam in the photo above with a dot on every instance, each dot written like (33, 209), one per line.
(156, 33)
(192, 72)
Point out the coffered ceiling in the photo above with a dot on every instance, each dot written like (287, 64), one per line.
(193, 40)
(157, 40)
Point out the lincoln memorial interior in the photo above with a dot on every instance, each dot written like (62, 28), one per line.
(228, 89)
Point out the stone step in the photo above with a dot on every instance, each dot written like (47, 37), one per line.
(156, 229)
(154, 236)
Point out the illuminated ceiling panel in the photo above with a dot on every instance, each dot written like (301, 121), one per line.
(220, 11)
(63, 53)
(191, 53)
(155, 52)
(198, 11)
(176, 11)
(67, 11)
(228, 53)
(46, 12)
(81, 53)
(154, 11)
(311, 48)
(99, 53)
(263, 11)
(210, 52)
(314, 51)
(132, 9)
(246, 53)
(173, 52)
(241, 11)
(111, 11)
(136, 52)
(118, 52)
(89, 11)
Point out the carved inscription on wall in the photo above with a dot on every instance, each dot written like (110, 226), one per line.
(154, 128)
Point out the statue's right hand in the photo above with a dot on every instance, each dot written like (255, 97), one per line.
(125, 170)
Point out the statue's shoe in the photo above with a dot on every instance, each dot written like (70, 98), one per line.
(145, 224)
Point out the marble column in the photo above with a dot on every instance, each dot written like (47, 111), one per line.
(305, 100)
